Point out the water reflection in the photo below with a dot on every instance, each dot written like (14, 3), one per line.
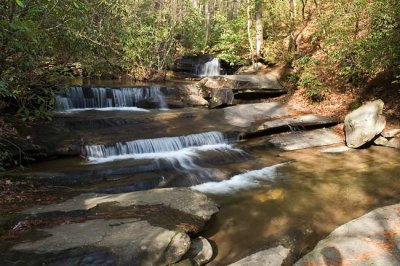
(313, 195)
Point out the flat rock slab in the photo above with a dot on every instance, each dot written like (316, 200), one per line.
(294, 123)
(181, 199)
(391, 133)
(372, 239)
(388, 142)
(261, 82)
(306, 139)
(270, 257)
(138, 228)
(245, 114)
(131, 242)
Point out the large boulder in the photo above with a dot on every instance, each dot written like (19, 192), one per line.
(364, 124)
(372, 239)
(138, 228)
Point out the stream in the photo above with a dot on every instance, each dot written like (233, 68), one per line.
(267, 197)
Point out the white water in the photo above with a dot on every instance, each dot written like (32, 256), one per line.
(210, 68)
(78, 98)
(178, 152)
(126, 109)
(243, 181)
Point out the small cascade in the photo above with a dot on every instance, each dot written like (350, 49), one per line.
(78, 98)
(180, 153)
(210, 68)
(246, 180)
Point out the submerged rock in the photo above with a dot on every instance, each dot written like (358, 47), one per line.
(363, 124)
(182, 199)
(372, 239)
(270, 257)
(306, 139)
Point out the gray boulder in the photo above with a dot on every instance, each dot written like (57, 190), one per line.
(221, 97)
(200, 251)
(372, 239)
(363, 124)
(270, 257)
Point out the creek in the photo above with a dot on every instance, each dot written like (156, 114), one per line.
(267, 197)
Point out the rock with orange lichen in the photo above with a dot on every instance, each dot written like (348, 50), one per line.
(372, 239)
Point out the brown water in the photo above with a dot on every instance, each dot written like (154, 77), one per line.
(312, 196)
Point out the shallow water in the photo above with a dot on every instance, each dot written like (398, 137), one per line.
(267, 197)
(308, 199)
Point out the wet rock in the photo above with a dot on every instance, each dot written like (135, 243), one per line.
(246, 114)
(182, 199)
(200, 251)
(388, 142)
(129, 239)
(372, 239)
(390, 133)
(306, 139)
(221, 97)
(364, 123)
(286, 124)
(270, 257)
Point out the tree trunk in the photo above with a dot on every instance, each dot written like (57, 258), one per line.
(249, 33)
(259, 28)
(292, 38)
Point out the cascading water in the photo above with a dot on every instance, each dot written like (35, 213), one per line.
(210, 68)
(178, 152)
(249, 179)
(78, 98)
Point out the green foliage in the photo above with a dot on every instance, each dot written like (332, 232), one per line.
(232, 45)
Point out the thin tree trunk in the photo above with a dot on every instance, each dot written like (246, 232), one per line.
(259, 28)
(249, 33)
(292, 38)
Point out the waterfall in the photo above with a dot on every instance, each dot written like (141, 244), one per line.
(210, 68)
(107, 98)
(178, 152)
